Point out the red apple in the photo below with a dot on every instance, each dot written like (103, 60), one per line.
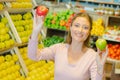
(101, 44)
(42, 10)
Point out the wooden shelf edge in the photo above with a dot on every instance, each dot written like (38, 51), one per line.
(100, 2)
(7, 0)
(112, 60)
(19, 10)
(2, 51)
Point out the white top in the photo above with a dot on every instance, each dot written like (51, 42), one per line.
(83, 69)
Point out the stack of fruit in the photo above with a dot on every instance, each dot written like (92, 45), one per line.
(114, 51)
(6, 40)
(113, 33)
(52, 40)
(23, 24)
(59, 20)
(1, 6)
(37, 70)
(9, 69)
(97, 27)
(22, 4)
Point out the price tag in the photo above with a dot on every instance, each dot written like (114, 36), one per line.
(117, 68)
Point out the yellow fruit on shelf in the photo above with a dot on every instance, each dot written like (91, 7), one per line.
(97, 27)
(1, 6)
(8, 57)
(21, 5)
(2, 59)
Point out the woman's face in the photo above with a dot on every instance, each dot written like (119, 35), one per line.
(80, 29)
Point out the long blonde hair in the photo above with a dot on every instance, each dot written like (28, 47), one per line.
(69, 38)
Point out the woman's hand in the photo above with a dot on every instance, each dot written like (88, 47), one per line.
(37, 24)
(101, 59)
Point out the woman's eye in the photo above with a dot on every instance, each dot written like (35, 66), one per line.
(76, 25)
(85, 27)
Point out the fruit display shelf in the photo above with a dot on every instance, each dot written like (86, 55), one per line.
(111, 38)
(19, 10)
(7, 0)
(112, 60)
(114, 52)
(59, 19)
(1, 6)
(21, 25)
(10, 68)
(98, 28)
(37, 70)
(2, 51)
(6, 37)
(52, 40)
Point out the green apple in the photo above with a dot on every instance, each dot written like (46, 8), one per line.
(101, 44)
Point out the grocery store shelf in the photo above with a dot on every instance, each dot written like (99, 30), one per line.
(1, 11)
(21, 44)
(112, 60)
(91, 12)
(2, 51)
(57, 29)
(19, 10)
(112, 38)
(7, 0)
(21, 60)
(100, 2)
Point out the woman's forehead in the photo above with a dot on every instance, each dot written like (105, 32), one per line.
(82, 20)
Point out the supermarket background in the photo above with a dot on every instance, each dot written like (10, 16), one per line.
(16, 24)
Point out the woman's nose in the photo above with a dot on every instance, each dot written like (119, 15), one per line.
(80, 29)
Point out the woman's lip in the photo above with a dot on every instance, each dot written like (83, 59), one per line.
(79, 35)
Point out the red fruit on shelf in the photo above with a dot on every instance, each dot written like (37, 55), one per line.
(42, 10)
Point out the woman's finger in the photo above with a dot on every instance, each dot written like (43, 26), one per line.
(104, 55)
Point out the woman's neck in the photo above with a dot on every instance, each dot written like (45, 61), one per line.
(76, 47)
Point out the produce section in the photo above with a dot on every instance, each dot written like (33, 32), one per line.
(16, 24)
(10, 67)
(6, 40)
(41, 70)
(23, 24)
(59, 20)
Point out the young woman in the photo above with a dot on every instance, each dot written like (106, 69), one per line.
(73, 60)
